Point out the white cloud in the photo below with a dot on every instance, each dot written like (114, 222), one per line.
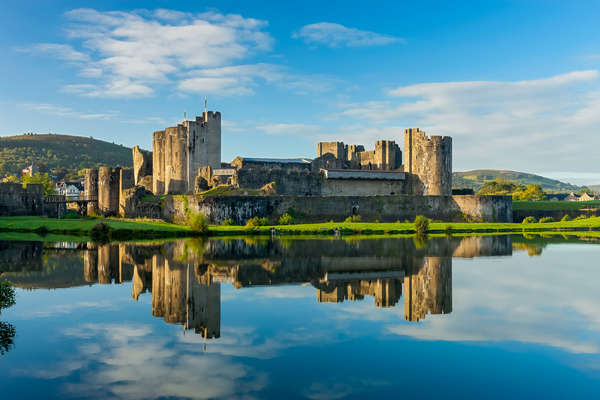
(129, 53)
(541, 124)
(61, 111)
(61, 51)
(242, 79)
(336, 35)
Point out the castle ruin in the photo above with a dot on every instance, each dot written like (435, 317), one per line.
(178, 152)
(378, 183)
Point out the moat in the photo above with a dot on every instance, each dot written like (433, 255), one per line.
(320, 318)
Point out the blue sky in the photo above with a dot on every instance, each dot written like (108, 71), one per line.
(515, 83)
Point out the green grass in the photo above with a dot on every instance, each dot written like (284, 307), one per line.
(225, 190)
(409, 228)
(60, 228)
(555, 205)
(140, 229)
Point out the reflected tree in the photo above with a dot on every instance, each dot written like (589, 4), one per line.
(7, 331)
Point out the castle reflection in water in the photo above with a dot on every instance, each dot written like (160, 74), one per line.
(185, 276)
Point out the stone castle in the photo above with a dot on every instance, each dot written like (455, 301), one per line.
(186, 160)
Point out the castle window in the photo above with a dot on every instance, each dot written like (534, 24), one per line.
(202, 140)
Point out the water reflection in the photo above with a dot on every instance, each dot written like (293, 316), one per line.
(184, 277)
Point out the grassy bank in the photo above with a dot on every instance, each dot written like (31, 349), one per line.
(555, 205)
(409, 228)
(140, 229)
(123, 228)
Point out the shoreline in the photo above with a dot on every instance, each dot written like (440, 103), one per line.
(125, 229)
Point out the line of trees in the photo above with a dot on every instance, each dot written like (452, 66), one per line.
(514, 189)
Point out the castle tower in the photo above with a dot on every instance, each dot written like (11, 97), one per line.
(204, 144)
(158, 162)
(179, 152)
(428, 288)
(338, 149)
(387, 155)
(429, 161)
(90, 187)
(108, 190)
(176, 158)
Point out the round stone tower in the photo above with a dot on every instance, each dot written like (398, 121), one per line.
(428, 161)
(90, 187)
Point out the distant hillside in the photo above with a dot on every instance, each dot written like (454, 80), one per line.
(59, 151)
(476, 178)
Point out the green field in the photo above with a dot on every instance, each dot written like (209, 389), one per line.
(140, 229)
(555, 205)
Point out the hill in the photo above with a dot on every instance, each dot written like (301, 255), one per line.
(476, 178)
(52, 152)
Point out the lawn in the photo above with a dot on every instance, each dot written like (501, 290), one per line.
(555, 205)
(25, 224)
(141, 229)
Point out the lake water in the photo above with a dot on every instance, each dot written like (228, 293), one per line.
(476, 317)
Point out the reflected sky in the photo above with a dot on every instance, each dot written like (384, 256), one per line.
(492, 317)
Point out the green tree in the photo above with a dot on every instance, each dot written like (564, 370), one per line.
(498, 187)
(43, 179)
(530, 193)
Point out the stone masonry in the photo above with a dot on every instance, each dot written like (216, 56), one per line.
(142, 164)
(180, 151)
(429, 163)
(90, 187)
(108, 191)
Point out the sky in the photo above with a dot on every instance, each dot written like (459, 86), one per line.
(515, 83)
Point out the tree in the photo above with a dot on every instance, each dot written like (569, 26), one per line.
(529, 193)
(43, 179)
(498, 187)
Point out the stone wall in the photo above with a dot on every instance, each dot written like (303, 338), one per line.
(180, 151)
(176, 159)
(429, 159)
(158, 162)
(142, 163)
(386, 155)
(288, 179)
(362, 187)
(125, 182)
(90, 187)
(17, 200)
(338, 208)
(108, 191)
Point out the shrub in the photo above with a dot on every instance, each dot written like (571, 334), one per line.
(7, 294)
(41, 230)
(100, 232)
(353, 218)
(198, 222)
(70, 214)
(421, 225)
(546, 219)
(529, 220)
(227, 222)
(448, 229)
(286, 219)
(565, 218)
(255, 221)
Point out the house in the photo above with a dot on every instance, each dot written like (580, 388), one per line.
(70, 189)
(558, 196)
(587, 197)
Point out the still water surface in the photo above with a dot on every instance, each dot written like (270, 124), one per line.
(475, 317)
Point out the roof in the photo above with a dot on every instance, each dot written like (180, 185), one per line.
(278, 160)
(363, 174)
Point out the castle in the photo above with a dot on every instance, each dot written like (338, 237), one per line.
(186, 160)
